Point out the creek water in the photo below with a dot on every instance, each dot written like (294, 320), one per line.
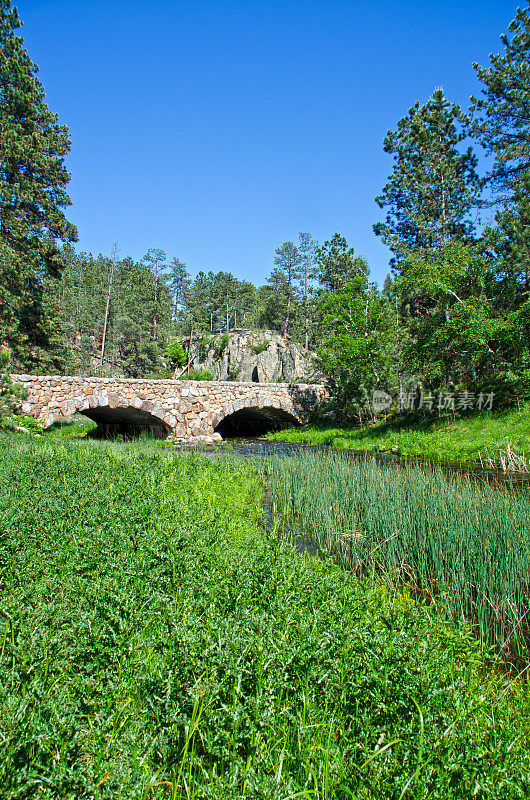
(301, 541)
(263, 448)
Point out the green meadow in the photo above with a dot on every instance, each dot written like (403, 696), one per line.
(156, 640)
(466, 439)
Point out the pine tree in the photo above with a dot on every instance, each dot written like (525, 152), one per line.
(502, 114)
(179, 281)
(337, 263)
(286, 271)
(307, 248)
(433, 185)
(514, 239)
(155, 259)
(32, 191)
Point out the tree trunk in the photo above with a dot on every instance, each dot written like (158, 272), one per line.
(286, 326)
(114, 258)
(305, 301)
(189, 349)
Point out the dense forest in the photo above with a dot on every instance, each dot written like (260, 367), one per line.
(453, 315)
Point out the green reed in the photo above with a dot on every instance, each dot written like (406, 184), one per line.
(462, 544)
(157, 642)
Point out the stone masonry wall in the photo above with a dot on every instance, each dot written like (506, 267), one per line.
(189, 409)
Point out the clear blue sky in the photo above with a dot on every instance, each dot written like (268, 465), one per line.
(217, 129)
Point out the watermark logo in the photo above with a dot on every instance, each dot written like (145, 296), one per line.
(444, 401)
(381, 401)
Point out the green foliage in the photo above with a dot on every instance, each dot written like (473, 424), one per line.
(446, 439)
(337, 265)
(284, 279)
(509, 387)
(513, 244)
(12, 421)
(11, 393)
(198, 375)
(221, 345)
(217, 297)
(455, 328)
(78, 427)
(351, 352)
(156, 643)
(77, 302)
(501, 120)
(261, 346)
(433, 185)
(180, 282)
(177, 353)
(307, 247)
(33, 182)
(437, 537)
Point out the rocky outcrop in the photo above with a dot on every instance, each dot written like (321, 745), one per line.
(257, 357)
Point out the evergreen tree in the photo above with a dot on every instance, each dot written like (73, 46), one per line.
(11, 394)
(514, 228)
(198, 304)
(307, 248)
(433, 185)
(269, 306)
(32, 191)
(284, 275)
(227, 298)
(337, 263)
(502, 114)
(155, 260)
(179, 282)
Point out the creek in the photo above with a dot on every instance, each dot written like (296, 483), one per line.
(263, 448)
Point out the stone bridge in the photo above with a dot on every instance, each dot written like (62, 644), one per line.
(183, 409)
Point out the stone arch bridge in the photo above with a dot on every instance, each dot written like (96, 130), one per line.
(183, 409)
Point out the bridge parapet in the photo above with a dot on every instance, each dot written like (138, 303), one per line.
(184, 409)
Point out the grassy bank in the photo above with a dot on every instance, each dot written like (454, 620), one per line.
(461, 440)
(463, 546)
(155, 642)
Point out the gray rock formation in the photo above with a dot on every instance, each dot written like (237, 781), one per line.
(258, 356)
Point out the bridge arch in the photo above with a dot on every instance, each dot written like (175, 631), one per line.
(184, 409)
(117, 414)
(254, 417)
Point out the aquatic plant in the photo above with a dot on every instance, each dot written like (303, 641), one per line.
(462, 544)
(157, 642)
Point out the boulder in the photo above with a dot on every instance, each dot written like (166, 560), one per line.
(276, 360)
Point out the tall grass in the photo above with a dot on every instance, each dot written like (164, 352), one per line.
(464, 546)
(467, 439)
(155, 642)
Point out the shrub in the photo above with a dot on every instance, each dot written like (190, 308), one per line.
(177, 354)
(198, 375)
(261, 346)
(222, 344)
(11, 421)
(11, 393)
